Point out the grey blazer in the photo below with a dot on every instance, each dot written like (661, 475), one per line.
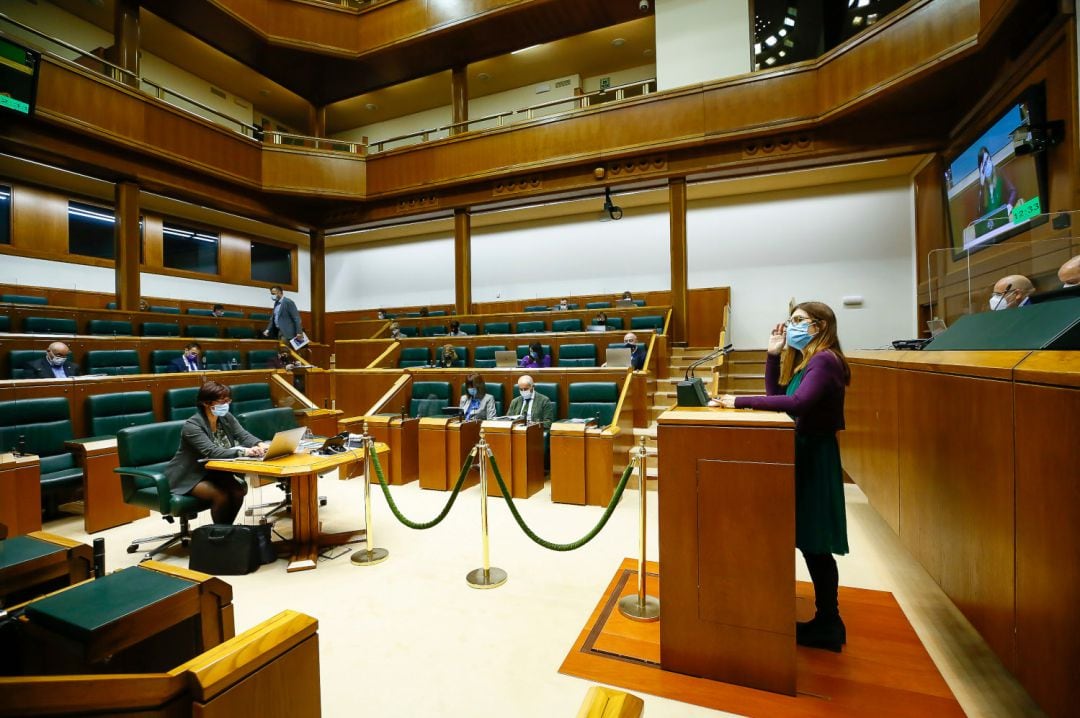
(486, 410)
(288, 321)
(196, 442)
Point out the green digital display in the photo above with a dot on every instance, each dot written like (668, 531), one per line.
(18, 77)
(1026, 210)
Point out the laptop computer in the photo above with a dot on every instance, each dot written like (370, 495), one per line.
(283, 444)
(623, 303)
(618, 357)
(506, 358)
(596, 328)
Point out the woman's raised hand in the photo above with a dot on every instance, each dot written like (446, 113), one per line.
(777, 339)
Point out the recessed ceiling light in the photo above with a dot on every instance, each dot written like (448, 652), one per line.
(371, 107)
(483, 77)
(264, 92)
(618, 42)
(647, 51)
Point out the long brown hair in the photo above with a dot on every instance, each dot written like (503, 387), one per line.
(477, 382)
(826, 339)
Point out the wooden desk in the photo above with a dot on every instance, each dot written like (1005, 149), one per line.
(583, 463)
(402, 435)
(103, 498)
(444, 444)
(727, 539)
(20, 494)
(57, 557)
(302, 472)
(519, 451)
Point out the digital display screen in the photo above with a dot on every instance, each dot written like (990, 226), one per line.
(18, 77)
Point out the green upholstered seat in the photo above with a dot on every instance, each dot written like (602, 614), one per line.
(414, 356)
(181, 403)
(537, 308)
(19, 358)
(111, 305)
(409, 331)
(109, 327)
(202, 331)
(250, 397)
(639, 302)
(429, 398)
(524, 349)
(496, 391)
(44, 424)
(260, 358)
(468, 328)
(5, 323)
(113, 362)
(652, 321)
(433, 330)
(23, 299)
(144, 452)
(165, 310)
(497, 328)
(161, 358)
(566, 325)
(223, 359)
(233, 314)
(261, 316)
(571, 305)
(530, 327)
(49, 325)
(484, 357)
(239, 332)
(161, 329)
(107, 414)
(577, 355)
(593, 400)
(412, 314)
(196, 312)
(615, 323)
(20, 549)
(598, 305)
(437, 313)
(264, 423)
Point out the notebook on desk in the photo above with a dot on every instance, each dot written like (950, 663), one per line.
(283, 444)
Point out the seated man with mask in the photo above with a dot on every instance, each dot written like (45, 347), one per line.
(531, 404)
(1011, 291)
(637, 352)
(189, 360)
(55, 364)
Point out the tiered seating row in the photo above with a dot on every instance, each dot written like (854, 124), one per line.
(15, 294)
(43, 319)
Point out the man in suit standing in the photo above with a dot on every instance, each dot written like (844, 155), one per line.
(190, 360)
(56, 363)
(285, 321)
(531, 404)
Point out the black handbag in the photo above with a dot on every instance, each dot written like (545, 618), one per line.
(267, 552)
(224, 550)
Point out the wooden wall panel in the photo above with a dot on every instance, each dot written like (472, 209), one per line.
(39, 222)
(869, 446)
(234, 254)
(705, 315)
(329, 174)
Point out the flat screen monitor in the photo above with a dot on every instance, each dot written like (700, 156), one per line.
(993, 191)
(18, 78)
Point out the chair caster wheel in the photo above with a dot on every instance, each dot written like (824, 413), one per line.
(133, 548)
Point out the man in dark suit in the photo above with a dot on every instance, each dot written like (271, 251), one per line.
(285, 321)
(531, 404)
(190, 360)
(637, 351)
(55, 363)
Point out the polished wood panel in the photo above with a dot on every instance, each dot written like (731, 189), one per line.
(869, 446)
(313, 172)
(39, 223)
(728, 615)
(462, 257)
(680, 331)
(317, 279)
(444, 444)
(128, 278)
(567, 463)
(20, 494)
(705, 315)
(73, 562)
(399, 433)
(103, 498)
(518, 449)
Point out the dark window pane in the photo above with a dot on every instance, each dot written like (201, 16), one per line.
(190, 249)
(5, 215)
(271, 263)
(91, 231)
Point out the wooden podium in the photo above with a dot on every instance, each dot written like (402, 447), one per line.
(727, 546)
(444, 444)
(519, 451)
(401, 434)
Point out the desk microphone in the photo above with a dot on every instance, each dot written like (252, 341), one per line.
(1008, 288)
(691, 390)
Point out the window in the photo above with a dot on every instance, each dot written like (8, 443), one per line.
(5, 215)
(271, 263)
(189, 249)
(91, 231)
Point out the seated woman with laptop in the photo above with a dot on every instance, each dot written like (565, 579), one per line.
(212, 433)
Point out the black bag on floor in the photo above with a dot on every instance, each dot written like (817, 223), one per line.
(224, 550)
(267, 553)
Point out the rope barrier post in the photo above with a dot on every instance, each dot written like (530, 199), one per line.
(370, 555)
(488, 576)
(641, 607)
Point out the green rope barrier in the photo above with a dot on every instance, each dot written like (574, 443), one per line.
(562, 546)
(442, 514)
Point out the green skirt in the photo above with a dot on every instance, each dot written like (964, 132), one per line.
(820, 518)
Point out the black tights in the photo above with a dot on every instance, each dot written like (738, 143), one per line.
(225, 494)
(826, 581)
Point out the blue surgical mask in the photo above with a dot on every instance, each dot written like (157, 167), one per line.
(798, 335)
(55, 360)
(219, 409)
(472, 391)
(534, 355)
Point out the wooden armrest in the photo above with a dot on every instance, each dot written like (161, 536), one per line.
(81, 695)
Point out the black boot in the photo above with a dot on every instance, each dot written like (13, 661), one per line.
(826, 632)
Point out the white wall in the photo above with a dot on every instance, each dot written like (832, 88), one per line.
(56, 275)
(821, 244)
(701, 40)
(409, 273)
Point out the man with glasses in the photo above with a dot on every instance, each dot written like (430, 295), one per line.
(55, 364)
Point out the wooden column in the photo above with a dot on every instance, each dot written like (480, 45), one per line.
(125, 50)
(128, 287)
(316, 121)
(462, 261)
(459, 97)
(318, 284)
(679, 300)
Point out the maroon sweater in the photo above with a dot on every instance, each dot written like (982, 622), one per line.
(817, 405)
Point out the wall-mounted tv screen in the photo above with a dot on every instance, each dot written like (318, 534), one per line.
(992, 192)
(18, 78)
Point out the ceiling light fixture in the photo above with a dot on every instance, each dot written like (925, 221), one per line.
(611, 210)
(524, 49)
(371, 107)
(618, 42)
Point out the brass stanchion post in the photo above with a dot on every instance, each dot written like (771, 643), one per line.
(641, 607)
(488, 576)
(370, 555)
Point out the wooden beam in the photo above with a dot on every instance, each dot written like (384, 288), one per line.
(318, 283)
(679, 294)
(459, 98)
(462, 261)
(125, 49)
(128, 288)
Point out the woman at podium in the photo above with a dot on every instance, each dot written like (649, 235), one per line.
(813, 394)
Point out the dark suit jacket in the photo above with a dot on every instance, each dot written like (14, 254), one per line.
(41, 369)
(637, 357)
(543, 410)
(179, 364)
(288, 321)
(196, 442)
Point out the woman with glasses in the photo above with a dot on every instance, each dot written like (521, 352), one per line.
(212, 433)
(476, 403)
(814, 396)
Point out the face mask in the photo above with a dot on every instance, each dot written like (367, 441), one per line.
(219, 409)
(193, 356)
(997, 302)
(56, 361)
(798, 336)
(1066, 285)
(987, 168)
(527, 394)
(472, 391)
(274, 298)
(534, 355)
(631, 346)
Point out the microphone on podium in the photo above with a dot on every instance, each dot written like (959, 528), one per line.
(691, 390)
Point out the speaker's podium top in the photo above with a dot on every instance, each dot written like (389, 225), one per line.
(715, 416)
